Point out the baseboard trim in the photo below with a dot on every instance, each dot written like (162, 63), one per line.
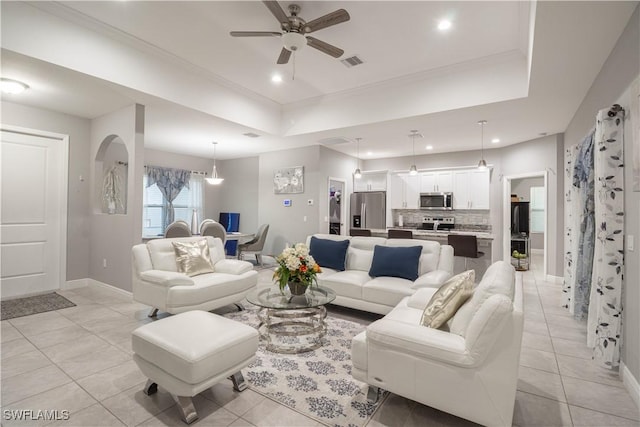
(97, 283)
(630, 383)
(554, 279)
(74, 284)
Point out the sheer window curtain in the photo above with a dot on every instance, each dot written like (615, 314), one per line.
(196, 193)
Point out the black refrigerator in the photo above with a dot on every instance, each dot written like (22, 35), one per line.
(520, 218)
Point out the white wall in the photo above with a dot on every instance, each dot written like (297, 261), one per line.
(240, 192)
(618, 83)
(78, 190)
(287, 225)
(112, 236)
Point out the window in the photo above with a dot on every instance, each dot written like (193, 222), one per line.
(537, 209)
(154, 210)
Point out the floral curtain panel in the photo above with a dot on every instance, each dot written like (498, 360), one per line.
(604, 326)
(170, 182)
(570, 230)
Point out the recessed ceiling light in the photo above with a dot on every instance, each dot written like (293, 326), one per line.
(276, 78)
(429, 147)
(12, 86)
(444, 24)
(369, 153)
(495, 140)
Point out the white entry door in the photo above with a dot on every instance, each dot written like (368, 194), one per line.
(33, 213)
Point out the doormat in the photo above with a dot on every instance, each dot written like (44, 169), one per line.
(317, 383)
(20, 307)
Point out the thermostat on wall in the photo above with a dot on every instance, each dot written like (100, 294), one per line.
(287, 203)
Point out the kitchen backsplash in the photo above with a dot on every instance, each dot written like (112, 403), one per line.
(471, 220)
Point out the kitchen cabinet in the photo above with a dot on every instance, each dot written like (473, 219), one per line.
(436, 182)
(405, 191)
(371, 181)
(471, 189)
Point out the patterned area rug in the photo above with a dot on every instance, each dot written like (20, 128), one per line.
(33, 305)
(317, 383)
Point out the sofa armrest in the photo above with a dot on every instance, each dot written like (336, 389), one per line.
(421, 341)
(432, 279)
(421, 298)
(232, 266)
(166, 278)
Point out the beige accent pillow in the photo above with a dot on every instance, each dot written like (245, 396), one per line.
(448, 299)
(193, 258)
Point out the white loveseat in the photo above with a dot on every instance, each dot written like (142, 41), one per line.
(354, 287)
(157, 282)
(470, 370)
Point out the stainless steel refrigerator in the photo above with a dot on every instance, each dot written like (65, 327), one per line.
(369, 210)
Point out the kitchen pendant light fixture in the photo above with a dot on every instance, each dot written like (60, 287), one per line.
(357, 174)
(413, 170)
(482, 164)
(214, 180)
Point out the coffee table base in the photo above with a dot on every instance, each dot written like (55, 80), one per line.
(293, 331)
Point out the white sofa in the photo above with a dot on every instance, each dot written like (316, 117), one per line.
(157, 282)
(469, 370)
(354, 287)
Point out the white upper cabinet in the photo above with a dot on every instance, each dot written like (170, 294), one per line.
(436, 182)
(371, 181)
(405, 191)
(471, 189)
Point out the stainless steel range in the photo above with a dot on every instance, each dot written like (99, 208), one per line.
(438, 223)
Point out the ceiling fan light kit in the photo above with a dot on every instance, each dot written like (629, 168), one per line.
(295, 29)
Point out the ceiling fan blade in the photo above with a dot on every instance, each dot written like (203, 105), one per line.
(277, 11)
(255, 34)
(324, 47)
(327, 20)
(285, 54)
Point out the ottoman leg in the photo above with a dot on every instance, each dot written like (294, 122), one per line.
(187, 409)
(150, 388)
(238, 381)
(153, 312)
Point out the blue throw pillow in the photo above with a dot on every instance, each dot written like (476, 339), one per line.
(395, 261)
(329, 253)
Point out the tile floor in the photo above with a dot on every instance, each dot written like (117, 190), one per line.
(79, 359)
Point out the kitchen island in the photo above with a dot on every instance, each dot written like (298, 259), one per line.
(485, 242)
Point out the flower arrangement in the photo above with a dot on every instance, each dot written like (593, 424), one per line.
(296, 265)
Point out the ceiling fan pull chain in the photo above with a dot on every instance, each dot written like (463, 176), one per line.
(293, 76)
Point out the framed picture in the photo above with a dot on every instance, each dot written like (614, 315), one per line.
(288, 180)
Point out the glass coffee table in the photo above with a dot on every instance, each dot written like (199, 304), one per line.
(291, 323)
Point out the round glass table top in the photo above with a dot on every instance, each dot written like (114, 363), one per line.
(271, 297)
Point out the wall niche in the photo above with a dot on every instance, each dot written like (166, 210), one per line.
(111, 176)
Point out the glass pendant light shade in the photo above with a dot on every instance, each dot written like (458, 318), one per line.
(357, 174)
(482, 165)
(215, 179)
(413, 170)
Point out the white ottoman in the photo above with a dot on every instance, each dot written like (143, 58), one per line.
(189, 352)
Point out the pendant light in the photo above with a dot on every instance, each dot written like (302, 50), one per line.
(413, 170)
(214, 180)
(482, 165)
(357, 174)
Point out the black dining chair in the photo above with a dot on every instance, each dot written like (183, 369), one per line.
(360, 232)
(465, 246)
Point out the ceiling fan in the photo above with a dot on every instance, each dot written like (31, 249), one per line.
(295, 30)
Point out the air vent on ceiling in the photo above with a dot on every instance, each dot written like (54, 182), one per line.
(251, 135)
(352, 61)
(334, 141)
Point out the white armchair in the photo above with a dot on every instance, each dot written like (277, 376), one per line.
(470, 371)
(157, 282)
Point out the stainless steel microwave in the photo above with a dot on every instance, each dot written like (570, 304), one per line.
(440, 201)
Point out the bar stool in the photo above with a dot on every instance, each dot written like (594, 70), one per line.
(360, 232)
(400, 234)
(465, 246)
